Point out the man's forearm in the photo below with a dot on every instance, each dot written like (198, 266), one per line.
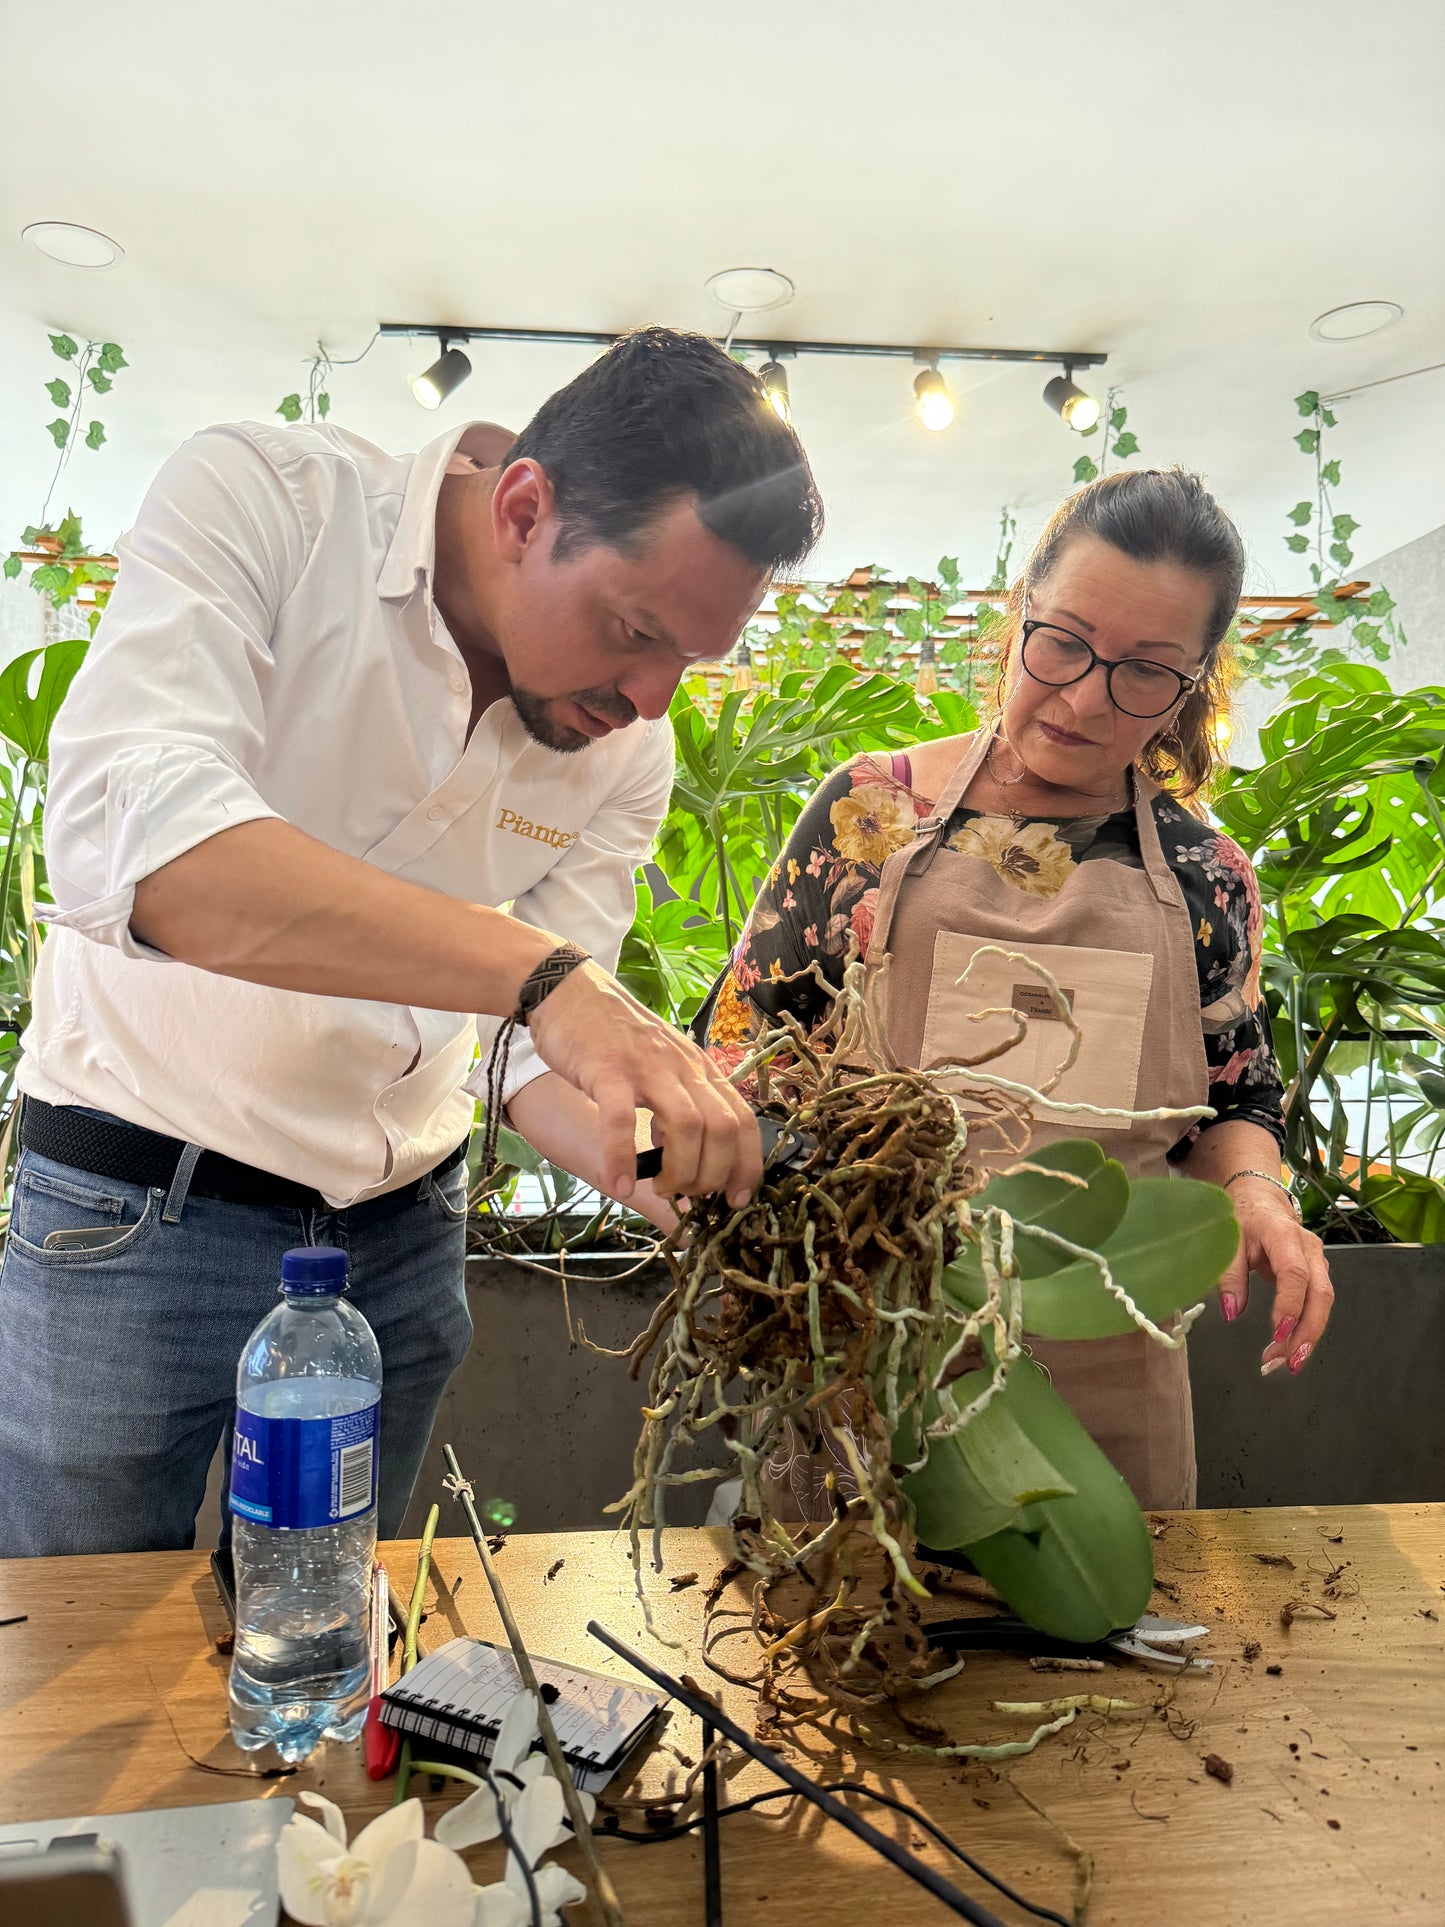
(561, 1123)
(267, 903)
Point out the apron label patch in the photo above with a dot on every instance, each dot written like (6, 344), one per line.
(1033, 1000)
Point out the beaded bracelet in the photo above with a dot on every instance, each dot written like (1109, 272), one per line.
(539, 984)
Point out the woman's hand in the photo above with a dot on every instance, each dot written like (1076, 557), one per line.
(1274, 1243)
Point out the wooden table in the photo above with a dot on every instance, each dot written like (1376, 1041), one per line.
(114, 1699)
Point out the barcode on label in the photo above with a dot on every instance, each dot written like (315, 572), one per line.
(355, 1480)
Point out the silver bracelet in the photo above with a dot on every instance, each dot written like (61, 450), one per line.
(1278, 1184)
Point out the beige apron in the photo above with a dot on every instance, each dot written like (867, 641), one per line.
(1119, 942)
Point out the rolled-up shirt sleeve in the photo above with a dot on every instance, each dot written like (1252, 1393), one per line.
(590, 895)
(155, 748)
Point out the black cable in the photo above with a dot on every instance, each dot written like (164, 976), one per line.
(847, 1786)
(689, 1695)
(510, 1841)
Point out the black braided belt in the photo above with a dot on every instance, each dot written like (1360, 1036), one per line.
(132, 1155)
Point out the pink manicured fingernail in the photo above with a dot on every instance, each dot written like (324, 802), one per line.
(1283, 1329)
(1270, 1365)
(1229, 1305)
(1297, 1359)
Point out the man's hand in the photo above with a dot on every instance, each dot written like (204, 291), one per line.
(597, 1037)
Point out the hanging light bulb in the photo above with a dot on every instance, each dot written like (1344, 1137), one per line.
(1079, 410)
(743, 668)
(926, 681)
(775, 387)
(932, 402)
(443, 378)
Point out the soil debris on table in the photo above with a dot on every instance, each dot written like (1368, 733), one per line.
(551, 1573)
(1218, 1768)
(1275, 1559)
(680, 1581)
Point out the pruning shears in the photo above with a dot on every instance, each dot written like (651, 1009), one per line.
(784, 1149)
(1151, 1640)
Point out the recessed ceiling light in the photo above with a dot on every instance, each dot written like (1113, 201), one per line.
(77, 247)
(750, 290)
(1355, 320)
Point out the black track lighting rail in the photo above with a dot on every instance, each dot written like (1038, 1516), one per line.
(775, 346)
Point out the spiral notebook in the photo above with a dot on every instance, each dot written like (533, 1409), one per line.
(455, 1698)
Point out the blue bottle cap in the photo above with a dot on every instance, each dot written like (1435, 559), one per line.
(314, 1271)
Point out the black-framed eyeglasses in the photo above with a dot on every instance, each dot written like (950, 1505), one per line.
(1136, 685)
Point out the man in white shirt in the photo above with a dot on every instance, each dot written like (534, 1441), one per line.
(342, 709)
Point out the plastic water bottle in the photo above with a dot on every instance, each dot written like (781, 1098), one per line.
(303, 1513)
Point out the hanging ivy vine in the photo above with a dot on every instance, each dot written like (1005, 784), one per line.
(66, 566)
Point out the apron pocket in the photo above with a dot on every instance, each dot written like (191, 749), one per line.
(1108, 992)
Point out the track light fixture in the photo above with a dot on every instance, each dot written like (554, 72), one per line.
(775, 387)
(443, 378)
(1080, 410)
(931, 399)
(932, 402)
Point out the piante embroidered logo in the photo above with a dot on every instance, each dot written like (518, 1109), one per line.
(539, 832)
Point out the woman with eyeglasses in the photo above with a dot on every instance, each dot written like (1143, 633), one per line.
(1062, 830)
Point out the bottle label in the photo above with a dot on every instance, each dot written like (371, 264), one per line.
(302, 1472)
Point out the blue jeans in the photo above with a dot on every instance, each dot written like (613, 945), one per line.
(119, 1375)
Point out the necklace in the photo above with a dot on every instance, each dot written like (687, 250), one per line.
(1020, 817)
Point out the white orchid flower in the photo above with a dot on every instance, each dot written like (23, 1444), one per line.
(390, 1876)
(476, 1818)
(536, 1818)
(506, 1906)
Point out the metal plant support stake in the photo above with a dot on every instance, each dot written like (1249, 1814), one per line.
(460, 1488)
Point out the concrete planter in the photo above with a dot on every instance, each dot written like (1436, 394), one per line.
(551, 1429)
(1363, 1424)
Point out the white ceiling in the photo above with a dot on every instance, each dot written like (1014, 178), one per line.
(1185, 188)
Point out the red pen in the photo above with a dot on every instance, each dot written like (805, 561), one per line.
(382, 1746)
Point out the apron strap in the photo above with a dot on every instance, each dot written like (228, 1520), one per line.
(1166, 884)
(914, 858)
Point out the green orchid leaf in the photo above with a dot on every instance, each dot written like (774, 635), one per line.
(13, 566)
(1085, 1216)
(111, 359)
(30, 696)
(1301, 513)
(1308, 403)
(323, 404)
(289, 408)
(63, 346)
(94, 435)
(951, 1505)
(59, 392)
(1308, 440)
(1078, 1567)
(1299, 543)
(1127, 444)
(1118, 417)
(58, 431)
(1330, 474)
(1169, 1251)
(1085, 469)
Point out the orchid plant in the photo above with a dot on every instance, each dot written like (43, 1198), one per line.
(392, 1876)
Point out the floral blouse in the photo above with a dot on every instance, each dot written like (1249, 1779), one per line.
(824, 889)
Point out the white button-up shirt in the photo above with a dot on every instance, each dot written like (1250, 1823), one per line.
(272, 650)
